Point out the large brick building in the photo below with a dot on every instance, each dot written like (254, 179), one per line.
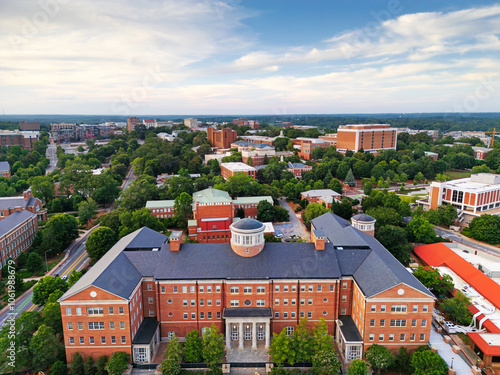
(23, 125)
(145, 289)
(307, 145)
(369, 137)
(26, 202)
(230, 169)
(221, 138)
(17, 233)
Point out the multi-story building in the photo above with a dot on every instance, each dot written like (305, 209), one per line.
(23, 125)
(473, 196)
(307, 145)
(23, 139)
(29, 136)
(26, 202)
(161, 209)
(330, 138)
(5, 169)
(434, 156)
(368, 137)
(230, 169)
(298, 169)
(221, 138)
(256, 152)
(144, 290)
(480, 153)
(259, 139)
(191, 122)
(17, 232)
(243, 121)
(214, 211)
(63, 132)
(321, 196)
(131, 123)
(149, 123)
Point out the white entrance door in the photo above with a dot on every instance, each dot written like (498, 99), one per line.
(234, 332)
(248, 332)
(141, 355)
(260, 332)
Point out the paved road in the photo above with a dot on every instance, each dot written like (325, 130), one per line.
(77, 259)
(454, 236)
(296, 226)
(52, 156)
(128, 179)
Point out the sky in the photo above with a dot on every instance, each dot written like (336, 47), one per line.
(272, 57)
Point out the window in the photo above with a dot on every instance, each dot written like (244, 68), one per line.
(382, 322)
(150, 300)
(414, 322)
(184, 302)
(309, 314)
(234, 290)
(292, 314)
(209, 302)
(218, 314)
(285, 315)
(382, 308)
(124, 340)
(209, 315)
(302, 288)
(343, 311)
(111, 310)
(285, 301)
(373, 308)
(425, 308)
(310, 288)
(332, 288)
(391, 337)
(201, 289)
(162, 289)
(78, 311)
(202, 315)
(294, 288)
(185, 315)
(120, 310)
(176, 289)
(424, 322)
(285, 288)
(412, 337)
(302, 301)
(415, 308)
(422, 337)
(402, 337)
(381, 337)
(94, 310)
(91, 340)
(68, 310)
(344, 285)
(202, 302)
(184, 289)
(276, 301)
(151, 313)
(111, 325)
(122, 325)
(217, 288)
(191, 289)
(247, 290)
(398, 308)
(193, 302)
(310, 301)
(289, 330)
(81, 340)
(372, 322)
(371, 337)
(193, 315)
(80, 325)
(103, 340)
(344, 298)
(261, 289)
(294, 301)
(234, 303)
(276, 314)
(96, 325)
(71, 340)
(398, 322)
(150, 287)
(261, 302)
(302, 314)
(276, 288)
(70, 325)
(113, 339)
(217, 302)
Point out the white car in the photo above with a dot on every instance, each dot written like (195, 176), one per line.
(65, 277)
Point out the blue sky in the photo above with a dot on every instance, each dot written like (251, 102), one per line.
(147, 57)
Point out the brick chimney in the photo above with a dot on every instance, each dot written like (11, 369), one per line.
(27, 194)
(319, 239)
(176, 240)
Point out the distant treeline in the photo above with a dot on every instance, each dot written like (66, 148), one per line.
(424, 121)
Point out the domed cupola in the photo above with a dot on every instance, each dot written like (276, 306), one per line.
(247, 237)
(364, 223)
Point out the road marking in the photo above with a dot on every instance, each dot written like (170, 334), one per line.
(20, 307)
(73, 265)
(31, 308)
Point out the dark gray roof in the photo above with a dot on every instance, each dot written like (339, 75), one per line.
(119, 278)
(247, 224)
(349, 329)
(245, 312)
(31, 202)
(219, 261)
(13, 220)
(147, 239)
(363, 217)
(12, 202)
(146, 331)
(4, 166)
(373, 267)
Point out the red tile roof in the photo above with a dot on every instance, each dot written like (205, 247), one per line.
(438, 254)
(485, 347)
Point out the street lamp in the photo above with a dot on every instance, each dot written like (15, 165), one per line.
(46, 263)
(452, 363)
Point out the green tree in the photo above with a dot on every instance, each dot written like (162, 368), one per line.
(317, 153)
(326, 363)
(59, 232)
(302, 342)
(52, 316)
(117, 363)
(379, 357)
(322, 341)
(428, 363)
(89, 367)
(34, 263)
(384, 216)
(101, 365)
(455, 309)
(99, 242)
(395, 240)
(367, 188)
(58, 368)
(213, 348)
(486, 228)
(174, 350)
(336, 186)
(74, 276)
(87, 210)
(422, 230)
(43, 187)
(105, 188)
(170, 367)
(45, 287)
(45, 348)
(349, 179)
(193, 347)
(139, 192)
(439, 285)
(183, 208)
(419, 177)
(280, 348)
(77, 365)
(402, 362)
(447, 214)
(312, 211)
(358, 367)
(266, 211)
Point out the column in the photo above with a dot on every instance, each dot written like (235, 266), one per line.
(228, 335)
(240, 336)
(254, 335)
(268, 334)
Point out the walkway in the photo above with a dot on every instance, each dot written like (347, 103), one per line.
(297, 228)
(248, 354)
(446, 352)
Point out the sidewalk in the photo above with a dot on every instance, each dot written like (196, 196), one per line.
(446, 352)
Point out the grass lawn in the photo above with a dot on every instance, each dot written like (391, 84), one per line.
(411, 198)
(458, 174)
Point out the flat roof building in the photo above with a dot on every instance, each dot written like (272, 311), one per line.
(368, 137)
(230, 169)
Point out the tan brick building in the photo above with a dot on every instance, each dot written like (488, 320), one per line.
(230, 169)
(369, 137)
(17, 233)
(146, 289)
(221, 138)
